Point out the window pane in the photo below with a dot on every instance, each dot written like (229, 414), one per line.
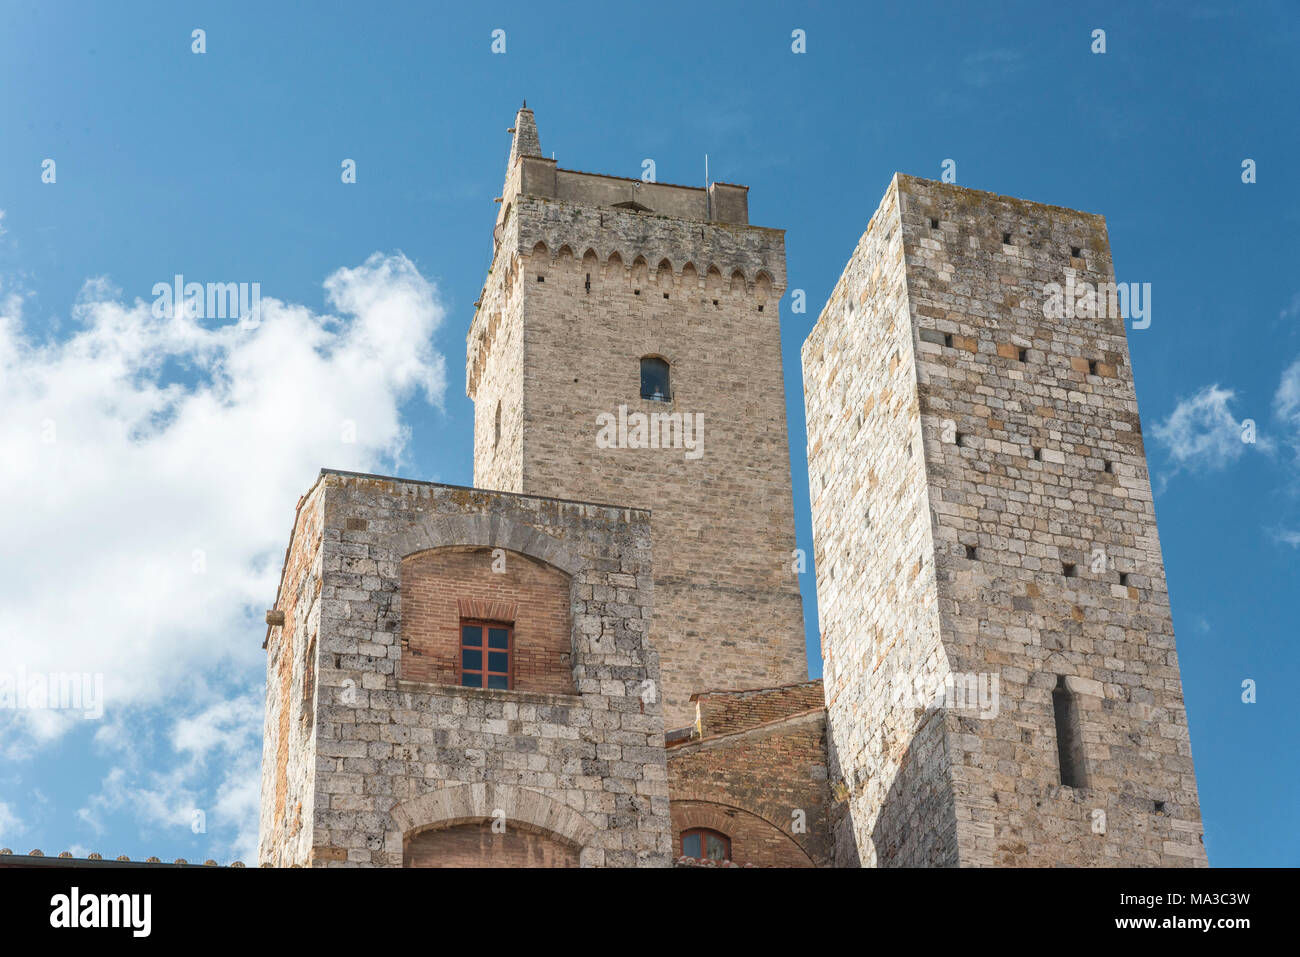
(471, 660)
(471, 635)
(654, 379)
(716, 847)
(471, 680)
(498, 661)
(498, 681)
(498, 638)
(690, 845)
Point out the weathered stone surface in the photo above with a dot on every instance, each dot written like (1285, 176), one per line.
(979, 488)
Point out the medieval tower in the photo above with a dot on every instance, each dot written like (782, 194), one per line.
(655, 303)
(999, 656)
(595, 656)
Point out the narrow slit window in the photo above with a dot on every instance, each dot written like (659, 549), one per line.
(934, 224)
(947, 340)
(1023, 355)
(654, 379)
(1069, 735)
(971, 552)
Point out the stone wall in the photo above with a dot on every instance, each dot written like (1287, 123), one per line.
(395, 758)
(1043, 564)
(577, 295)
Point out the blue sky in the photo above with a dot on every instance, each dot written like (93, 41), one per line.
(152, 471)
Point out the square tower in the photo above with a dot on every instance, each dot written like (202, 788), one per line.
(1000, 670)
(626, 348)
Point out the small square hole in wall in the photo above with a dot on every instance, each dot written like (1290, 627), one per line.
(1109, 467)
(636, 292)
(760, 308)
(1158, 806)
(1123, 578)
(1092, 367)
(970, 552)
(1022, 355)
(715, 302)
(947, 340)
(1006, 239)
(1068, 570)
(1038, 455)
(934, 224)
(1076, 252)
(541, 279)
(665, 295)
(960, 439)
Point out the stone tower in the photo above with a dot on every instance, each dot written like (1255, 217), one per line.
(1000, 669)
(599, 287)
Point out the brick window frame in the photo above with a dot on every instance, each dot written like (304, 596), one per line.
(703, 834)
(484, 671)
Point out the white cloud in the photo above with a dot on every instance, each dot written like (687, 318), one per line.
(10, 824)
(151, 467)
(1286, 401)
(1202, 433)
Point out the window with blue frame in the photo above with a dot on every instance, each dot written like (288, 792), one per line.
(486, 653)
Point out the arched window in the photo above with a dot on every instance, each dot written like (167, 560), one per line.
(654, 379)
(704, 844)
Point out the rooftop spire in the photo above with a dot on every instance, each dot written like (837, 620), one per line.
(525, 142)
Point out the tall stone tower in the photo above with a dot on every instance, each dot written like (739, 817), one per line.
(1000, 670)
(626, 348)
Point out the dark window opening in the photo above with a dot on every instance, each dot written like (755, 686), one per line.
(970, 552)
(541, 279)
(1092, 367)
(947, 340)
(934, 224)
(704, 844)
(760, 308)
(715, 302)
(1110, 467)
(654, 379)
(1006, 239)
(587, 285)
(1123, 578)
(1069, 735)
(1023, 355)
(1076, 252)
(636, 292)
(961, 439)
(486, 653)
(665, 295)
(1068, 570)
(1038, 454)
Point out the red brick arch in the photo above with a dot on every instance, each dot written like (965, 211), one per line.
(753, 839)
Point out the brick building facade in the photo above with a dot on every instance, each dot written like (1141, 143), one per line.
(595, 657)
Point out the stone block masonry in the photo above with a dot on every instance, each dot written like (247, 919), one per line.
(591, 274)
(383, 769)
(981, 508)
